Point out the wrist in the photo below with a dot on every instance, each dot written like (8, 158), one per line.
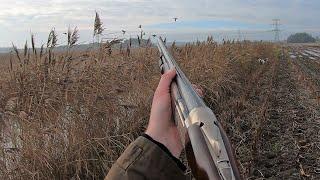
(169, 140)
(166, 150)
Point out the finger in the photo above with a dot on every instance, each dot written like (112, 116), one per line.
(199, 90)
(166, 79)
(200, 93)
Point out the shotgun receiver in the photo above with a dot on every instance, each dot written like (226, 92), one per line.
(208, 148)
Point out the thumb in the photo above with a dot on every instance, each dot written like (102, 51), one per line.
(165, 81)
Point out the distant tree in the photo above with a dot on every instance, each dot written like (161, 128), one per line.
(301, 38)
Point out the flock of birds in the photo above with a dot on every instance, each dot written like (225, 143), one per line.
(140, 26)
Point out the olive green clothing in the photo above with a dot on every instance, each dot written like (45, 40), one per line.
(146, 158)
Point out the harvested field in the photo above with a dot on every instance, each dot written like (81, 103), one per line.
(70, 115)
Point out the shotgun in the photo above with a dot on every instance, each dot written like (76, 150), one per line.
(209, 151)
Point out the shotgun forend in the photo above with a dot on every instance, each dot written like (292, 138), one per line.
(208, 148)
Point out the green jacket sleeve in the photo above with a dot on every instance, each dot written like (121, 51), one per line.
(146, 159)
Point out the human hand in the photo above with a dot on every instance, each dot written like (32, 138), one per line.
(161, 125)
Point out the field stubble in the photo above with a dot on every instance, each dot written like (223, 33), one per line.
(66, 118)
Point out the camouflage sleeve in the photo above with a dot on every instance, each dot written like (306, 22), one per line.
(146, 158)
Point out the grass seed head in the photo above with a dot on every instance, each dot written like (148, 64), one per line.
(98, 26)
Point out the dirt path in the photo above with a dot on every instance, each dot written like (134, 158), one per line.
(274, 121)
(310, 68)
(290, 142)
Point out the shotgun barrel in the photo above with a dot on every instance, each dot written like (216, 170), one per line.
(209, 151)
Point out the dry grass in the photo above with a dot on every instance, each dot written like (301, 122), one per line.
(70, 115)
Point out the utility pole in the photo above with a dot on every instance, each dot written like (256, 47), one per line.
(276, 29)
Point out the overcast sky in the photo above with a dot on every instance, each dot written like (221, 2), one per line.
(19, 18)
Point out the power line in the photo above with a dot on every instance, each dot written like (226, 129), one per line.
(276, 29)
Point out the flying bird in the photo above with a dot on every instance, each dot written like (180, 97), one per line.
(123, 31)
(154, 35)
(175, 19)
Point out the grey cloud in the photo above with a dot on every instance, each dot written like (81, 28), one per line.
(40, 16)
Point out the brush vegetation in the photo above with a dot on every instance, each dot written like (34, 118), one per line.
(69, 115)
